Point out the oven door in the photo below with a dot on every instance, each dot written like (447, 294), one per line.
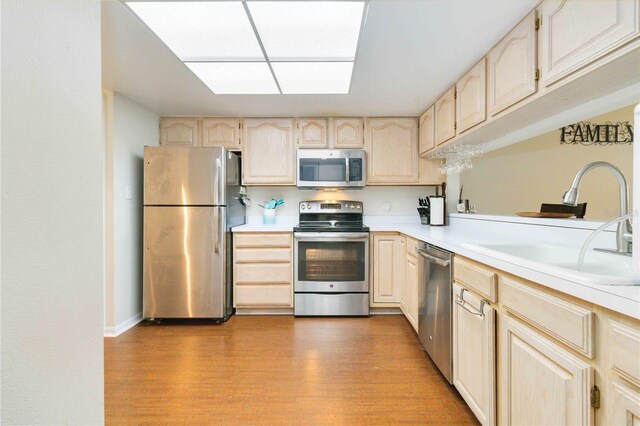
(331, 262)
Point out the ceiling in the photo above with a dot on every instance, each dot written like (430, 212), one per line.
(410, 52)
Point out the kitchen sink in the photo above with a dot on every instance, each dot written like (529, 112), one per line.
(599, 267)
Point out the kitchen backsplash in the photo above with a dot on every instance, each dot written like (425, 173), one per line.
(378, 200)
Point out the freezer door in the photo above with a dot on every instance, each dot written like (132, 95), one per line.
(184, 262)
(178, 176)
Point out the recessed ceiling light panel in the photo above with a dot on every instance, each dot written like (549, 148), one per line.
(200, 30)
(235, 77)
(308, 30)
(313, 77)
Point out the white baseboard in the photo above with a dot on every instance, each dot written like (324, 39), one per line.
(123, 326)
(385, 311)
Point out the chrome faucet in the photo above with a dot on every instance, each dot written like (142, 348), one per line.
(624, 231)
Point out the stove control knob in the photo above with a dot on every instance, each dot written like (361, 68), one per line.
(351, 206)
(303, 207)
(308, 205)
(358, 206)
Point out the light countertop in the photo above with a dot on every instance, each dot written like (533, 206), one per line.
(466, 229)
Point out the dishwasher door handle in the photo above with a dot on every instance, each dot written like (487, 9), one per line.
(433, 259)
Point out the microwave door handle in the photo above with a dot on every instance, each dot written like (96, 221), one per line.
(348, 175)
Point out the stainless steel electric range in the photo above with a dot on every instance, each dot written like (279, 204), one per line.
(331, 260)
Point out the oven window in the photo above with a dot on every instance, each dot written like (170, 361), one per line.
(331, 261)
(319, 170)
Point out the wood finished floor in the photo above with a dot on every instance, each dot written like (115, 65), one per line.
(259, 370)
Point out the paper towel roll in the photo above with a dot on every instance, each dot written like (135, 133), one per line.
(437, 211)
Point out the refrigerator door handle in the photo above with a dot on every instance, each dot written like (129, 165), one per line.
(220, 226)
(216, 230)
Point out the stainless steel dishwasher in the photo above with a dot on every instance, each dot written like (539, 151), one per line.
(434, 298)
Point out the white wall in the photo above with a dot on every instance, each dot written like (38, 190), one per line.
(539, 170)
(403, 199)
(51, 165)
(132, 127)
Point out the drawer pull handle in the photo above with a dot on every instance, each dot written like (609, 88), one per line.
(460, 302)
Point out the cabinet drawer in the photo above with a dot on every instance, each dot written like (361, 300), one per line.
(263, 273)
(476, 277)
(625, 351)
(412, 245)
(263, 240)
(569, 323)
(263, 296)
(264, 255)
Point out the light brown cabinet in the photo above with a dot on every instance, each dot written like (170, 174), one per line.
(575, 33)
(411, 282)
(263, 270)
(388, 259)
(220, 132)
(474, 353)
(268, 152)
(445, 117)
(626, 405)
(178, 131)
(311, 133)
(511, 73)
(471, 93)
(427, 134)
(392, 150)
(540, 381)
(347, 133)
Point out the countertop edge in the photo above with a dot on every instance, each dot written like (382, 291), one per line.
(590, 293)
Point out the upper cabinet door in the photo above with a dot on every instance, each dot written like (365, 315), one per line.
(347, 133)
(175, 131)
(574, 33)
(312, 132)
(535, 371)
(512, 66)
(392, 150)
(471, 99)
(221, 132)
(427, 141)
(268, 152)
(445, 116)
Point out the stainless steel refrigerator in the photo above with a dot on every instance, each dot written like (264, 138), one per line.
(191, 201)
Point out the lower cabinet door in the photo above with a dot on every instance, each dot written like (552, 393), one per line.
(474, 357)
(626, 405)
(412, 271)
(541, 383)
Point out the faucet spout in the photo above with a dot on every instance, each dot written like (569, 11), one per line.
(624, 231)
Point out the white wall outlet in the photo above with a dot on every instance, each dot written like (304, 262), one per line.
(128, 193)
(386, 207)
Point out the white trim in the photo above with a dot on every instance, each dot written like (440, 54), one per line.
(384, 311)
(123, 326)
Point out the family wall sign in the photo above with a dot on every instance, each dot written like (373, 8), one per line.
(586, 133)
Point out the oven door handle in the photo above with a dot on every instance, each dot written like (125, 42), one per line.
(333, 236)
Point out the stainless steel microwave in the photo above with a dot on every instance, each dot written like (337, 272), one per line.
(331, 168)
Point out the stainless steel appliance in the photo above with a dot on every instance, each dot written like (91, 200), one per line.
(331, 260)
(331, 168)
(434, 316)
(191, 201)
